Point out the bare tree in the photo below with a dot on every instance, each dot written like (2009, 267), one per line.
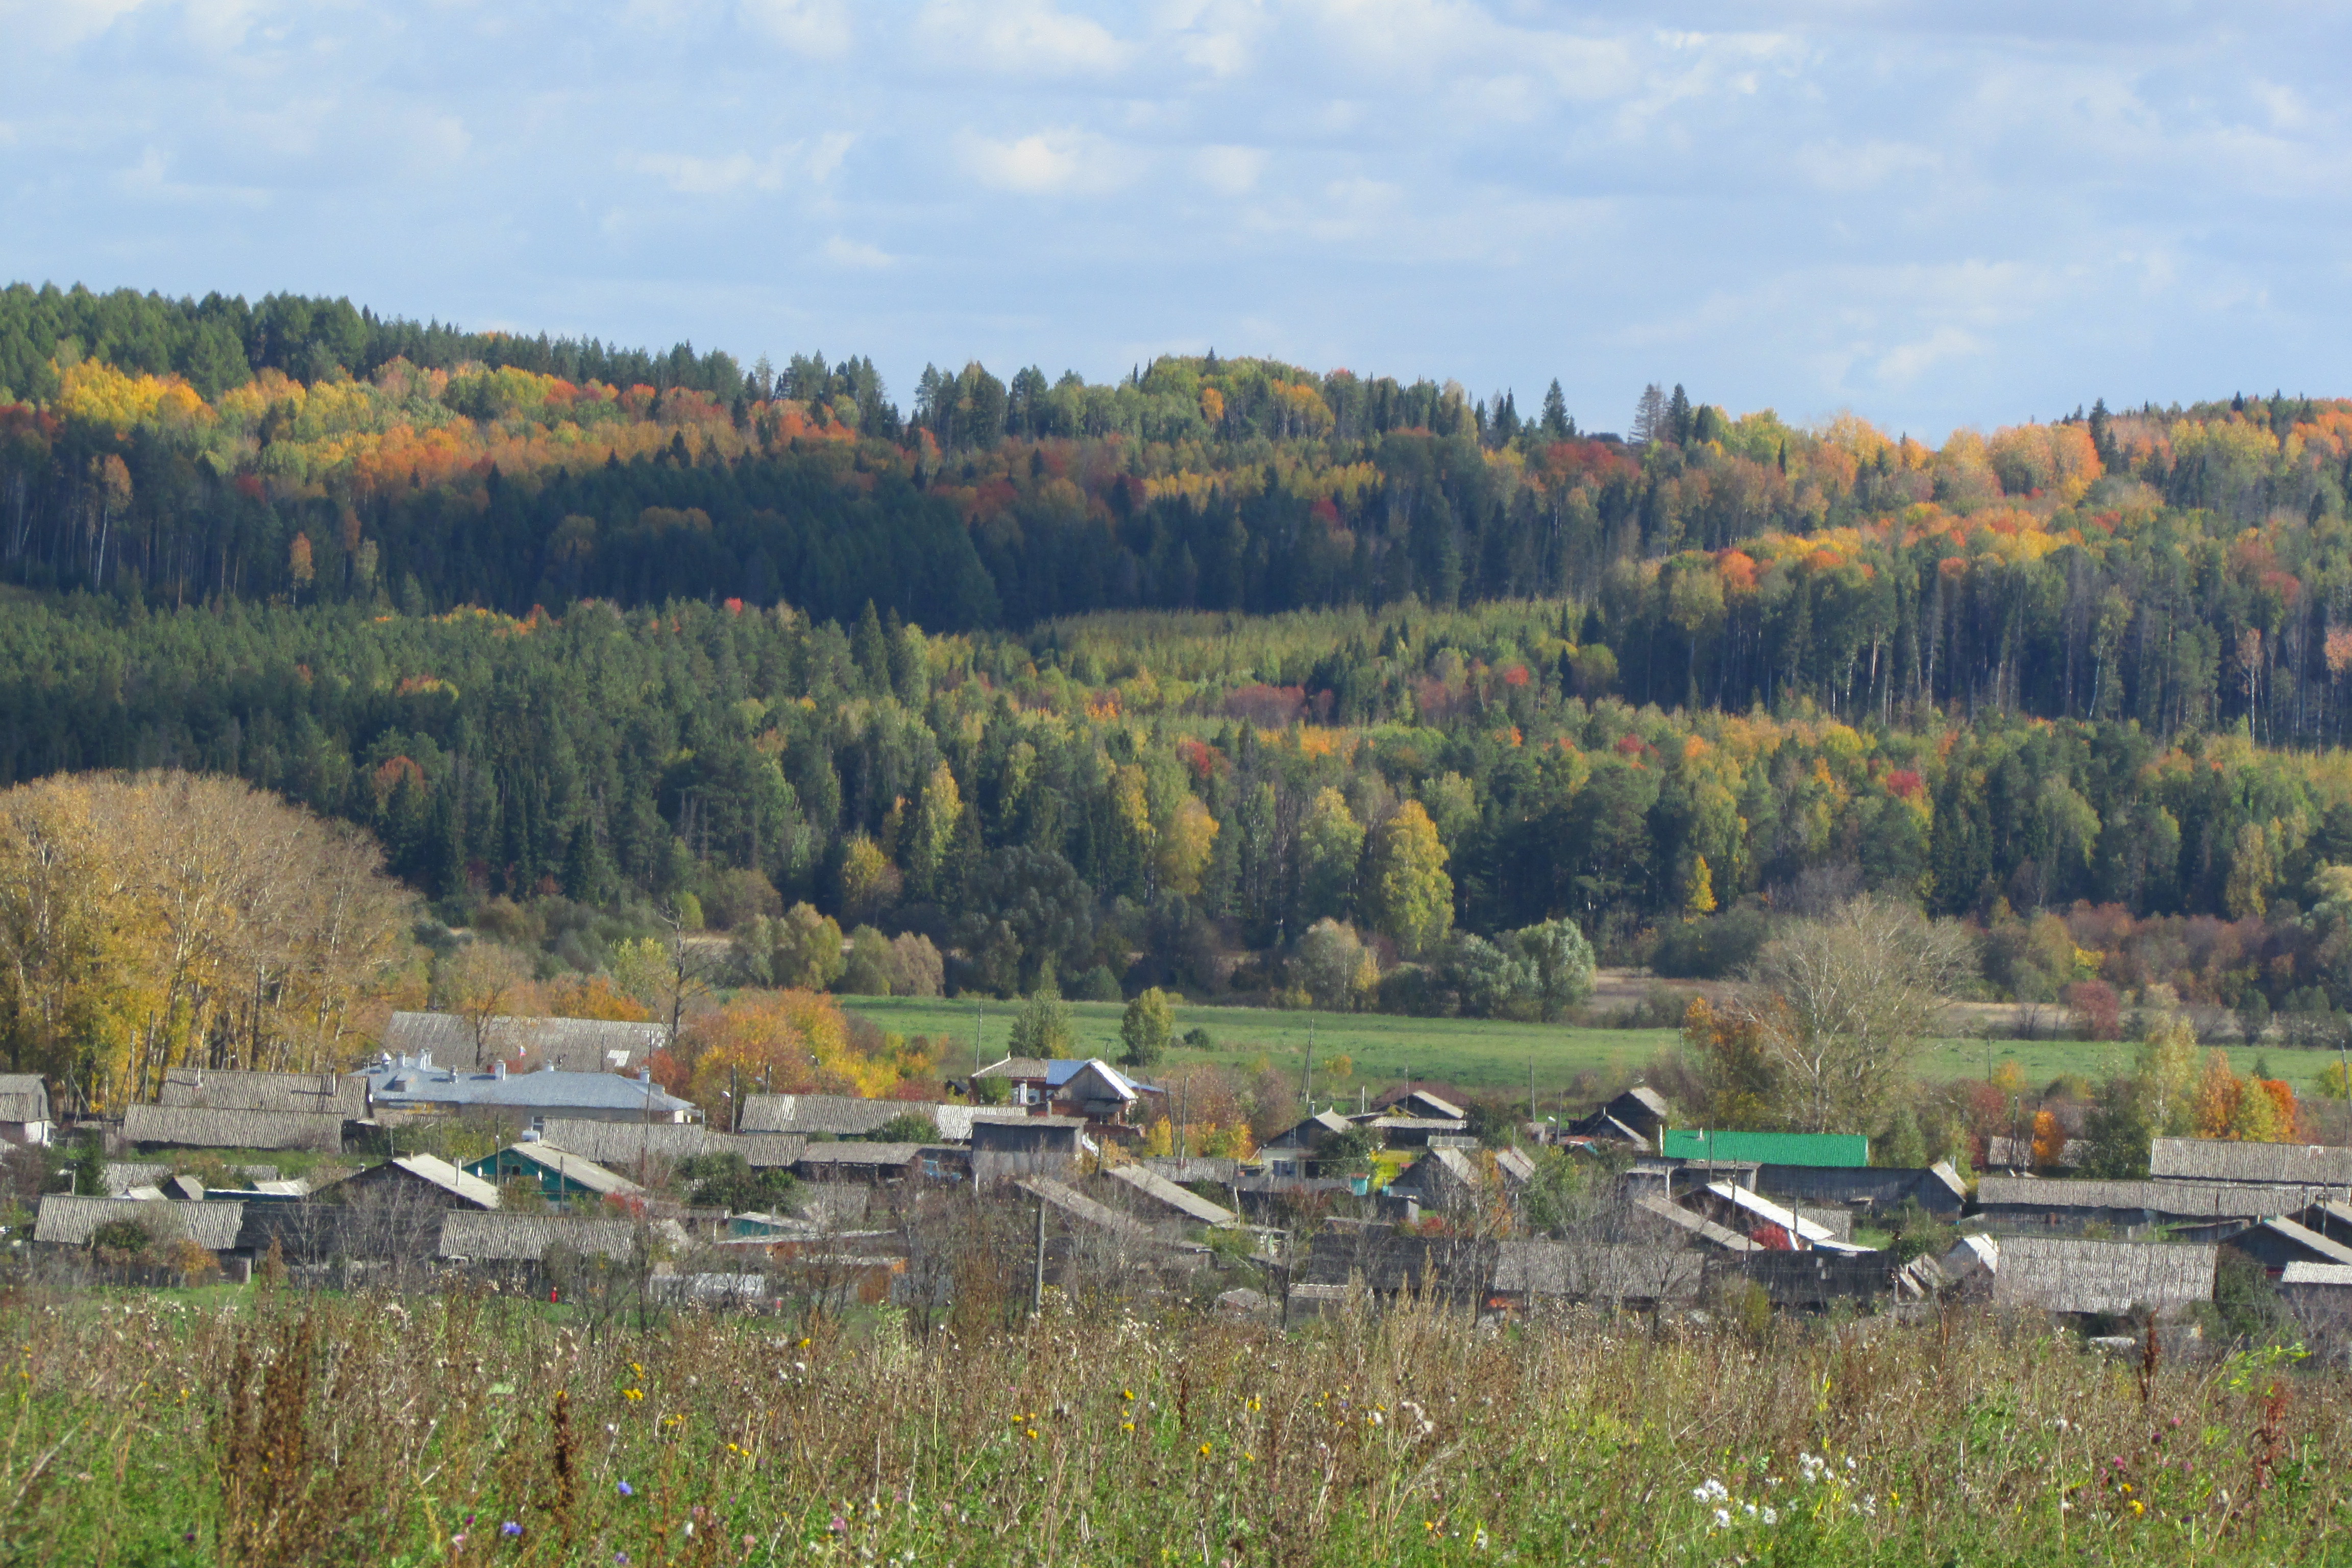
(1845, 1000)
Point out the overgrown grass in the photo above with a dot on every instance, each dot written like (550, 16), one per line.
(296, 1430)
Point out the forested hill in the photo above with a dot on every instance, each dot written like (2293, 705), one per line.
(2184, 567)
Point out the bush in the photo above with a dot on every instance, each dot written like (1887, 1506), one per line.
(728, 1181)
(1413, 990)
(907, 1127)
(1713, 948)
(1098, 984)
(2092, 1011)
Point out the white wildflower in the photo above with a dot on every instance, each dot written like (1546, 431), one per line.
(1713, 1491)
(1723, 1518)
(1772, 1516)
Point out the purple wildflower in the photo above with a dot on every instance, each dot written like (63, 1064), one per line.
(628, 1490)
(510, 1528)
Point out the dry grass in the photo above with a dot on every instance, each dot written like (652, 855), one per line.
(288, 1429)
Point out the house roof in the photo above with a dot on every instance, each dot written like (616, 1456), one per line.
(201, 1127)
(1416, 1123)
(1516, 1164)
(1764, 1209)
(1698, 1224)
(1830, 1148)
(399, 1085)
(841, 1115)
(481, 1238)
(860, 1154)
(225, 1089)
(69, 1221)
(2184, 1200)
(576, 1169)
(2060, 1275)
(574, 1045)
(2325, 1249)
(23, 1097)
(1649, 1099)
(620, 1144)
(121, 1175)
(1161, 1189)
(1060, 1196)
(1026, 1069)
(446, 1176)
(1421, 1102)
(1608, 1272)
(1298, 1137)
(2213, 1160)
(2316, 1274)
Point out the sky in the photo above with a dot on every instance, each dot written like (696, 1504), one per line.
(1931, 215)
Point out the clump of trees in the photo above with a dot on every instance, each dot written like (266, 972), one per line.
(152, 919)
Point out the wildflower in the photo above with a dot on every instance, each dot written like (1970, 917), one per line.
(621, 1558)
(510, 1528)
(1129, 1393)
(1126, 1425)
(2139, 1508)
(1712, 1491)
(838, 1525)
(1723, 1518)
(459, 1539)
(1204, 1450)
(628, 1490)
(1772, 1516)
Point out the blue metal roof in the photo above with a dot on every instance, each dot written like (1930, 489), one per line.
(400, 1084)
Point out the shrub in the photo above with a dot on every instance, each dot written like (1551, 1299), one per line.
(1711, 949)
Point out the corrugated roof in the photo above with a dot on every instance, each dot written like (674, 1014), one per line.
(860, 1154)
(2182, 1200)
(1827, 1148)
(1066, 1199)
(574, 1045)
(482, 1238)
(841, 1115)
(1161, 1189)
(120, 1176)
(67, 1221)
(2338, 1274)
(2214, 1159)
(198, 1127)
(1027, 1069)
(1603, 1272)
(2059, 1275)
(223, 1088)
(621, 1145)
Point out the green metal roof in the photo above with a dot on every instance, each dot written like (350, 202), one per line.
(1841, 1149)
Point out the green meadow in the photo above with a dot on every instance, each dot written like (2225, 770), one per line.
(1468, 1053)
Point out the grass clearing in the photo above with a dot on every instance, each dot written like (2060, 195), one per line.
(1475, 1053)
(1479, 1053)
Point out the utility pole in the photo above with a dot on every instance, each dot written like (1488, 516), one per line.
(1037, 1280)
(1307, 1089)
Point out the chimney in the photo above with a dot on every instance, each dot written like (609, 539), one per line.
(645, 1074)
(547, 1065)
(499, 1070)
(425, 1058)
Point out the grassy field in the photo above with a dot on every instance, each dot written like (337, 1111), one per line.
(166, 1432)
(1473, 1053)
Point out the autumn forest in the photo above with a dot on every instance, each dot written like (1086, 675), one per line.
(1233, 676)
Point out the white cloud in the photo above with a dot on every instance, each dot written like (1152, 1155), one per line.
(817, 28)
(857, 253)
(1050, 163)
(61, 23)
(693, 175)
(1844, 166)
(1906, 363)
(1018, 38)
(1231, 169)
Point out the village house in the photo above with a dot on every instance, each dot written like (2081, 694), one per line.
(343, 1095)
(2268, 1164)
(420, 1178)
(1086, 1087)
(207, 1127)
(2057, 1274)
(561, 1176)
(1633, 1118)
(24, 1108)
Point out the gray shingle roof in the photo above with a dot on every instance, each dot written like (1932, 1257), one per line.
(1017, 1067)
(844, 1116)
(2057, 1275)
(486, 1237)
(1606, 1272)
(340, 1094)
(1077, 1205)
(574, 1045)
(1168, 1194)
(621, 1145)
(23, 1097)
(197, 1127)
(2212, 1160)
(120, 1176)
(860, 1154)
(68, 1221)
(2183, 1200)
(400, 1086)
